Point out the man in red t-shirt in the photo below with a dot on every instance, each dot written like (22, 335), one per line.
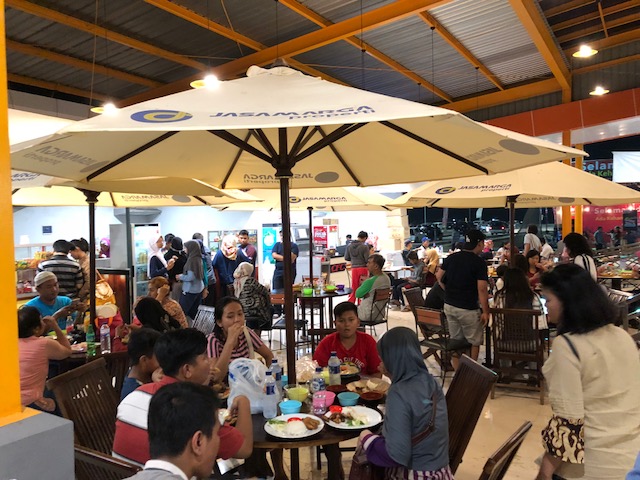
(350, 344)
(182, 354)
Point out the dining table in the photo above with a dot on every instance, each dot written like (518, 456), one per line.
(319, 299)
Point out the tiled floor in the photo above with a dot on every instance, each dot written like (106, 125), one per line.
(501, 417)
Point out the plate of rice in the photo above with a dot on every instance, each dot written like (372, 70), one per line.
(293, 425)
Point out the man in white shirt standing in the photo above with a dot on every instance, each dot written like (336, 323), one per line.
(183, 433)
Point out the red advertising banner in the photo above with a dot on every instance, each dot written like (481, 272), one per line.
(320, 236)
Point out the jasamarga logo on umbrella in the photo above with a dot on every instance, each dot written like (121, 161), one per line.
(160, 116)
(340, 112)
(322, 177)
(487, 188)
(318, 199)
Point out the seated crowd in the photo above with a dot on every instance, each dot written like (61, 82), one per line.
(167, 419)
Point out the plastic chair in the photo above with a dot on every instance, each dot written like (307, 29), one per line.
(517, 343)
(499, 462)
(93, 465)
(86, 396)
(466, 397)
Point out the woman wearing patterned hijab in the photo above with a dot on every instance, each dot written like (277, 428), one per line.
(254, 297)
(408, 448)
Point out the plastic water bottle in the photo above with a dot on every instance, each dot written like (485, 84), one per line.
(276, 371)
(105, 338)
(270, 401)
(334, 369)
(317, 381)
(91, 341)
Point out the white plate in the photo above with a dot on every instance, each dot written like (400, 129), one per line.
(277, 433)
(373, 416)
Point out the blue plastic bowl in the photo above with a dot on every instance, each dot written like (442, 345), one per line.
(348, 399)
(290, 406)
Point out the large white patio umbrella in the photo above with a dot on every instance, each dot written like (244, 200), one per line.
(549, 185)
(279, 125)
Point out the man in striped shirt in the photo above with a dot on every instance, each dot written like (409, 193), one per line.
(67, 271)
(182, 354)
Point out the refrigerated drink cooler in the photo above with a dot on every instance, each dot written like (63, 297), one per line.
(140, 233)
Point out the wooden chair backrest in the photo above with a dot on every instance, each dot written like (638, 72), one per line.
(117, 366)
(466, 397)
(429, 317)
(93, 465)
(381, 294)
(277, 299)
(414, 298)
(499, 462)
(205, 320)
(86, 396)
(515, 330)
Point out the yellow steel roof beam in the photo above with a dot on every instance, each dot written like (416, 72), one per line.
(536, 26)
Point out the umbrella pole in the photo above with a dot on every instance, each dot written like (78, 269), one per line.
(92, 199)
(512, 224)
(288, 281)
(310, 209)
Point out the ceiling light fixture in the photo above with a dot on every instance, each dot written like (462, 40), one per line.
(108, 109)
(210, 82)
(585, 51)
(599, 91)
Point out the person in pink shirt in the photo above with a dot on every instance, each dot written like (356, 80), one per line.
(350, 344)
(35, 351)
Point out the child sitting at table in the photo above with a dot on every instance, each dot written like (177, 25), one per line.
(350, 344)
(141, 358)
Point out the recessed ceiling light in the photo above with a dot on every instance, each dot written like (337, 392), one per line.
(108, 109)
(585, 51)
(599, 91)
(210, 81)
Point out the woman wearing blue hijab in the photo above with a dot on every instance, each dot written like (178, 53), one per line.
(415, 435)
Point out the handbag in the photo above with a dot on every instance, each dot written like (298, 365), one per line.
(362, 469)
(104, 293)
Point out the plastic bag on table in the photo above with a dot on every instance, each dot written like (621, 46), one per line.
(305, 368)
(246, 377)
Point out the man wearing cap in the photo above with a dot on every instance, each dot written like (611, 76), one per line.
(66, 270)
(463, 276)
(423, 248)
(48, 302)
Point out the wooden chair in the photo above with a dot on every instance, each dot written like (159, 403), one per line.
(466, 397)
(516, 344)
(86, 396)
(414, 299)
(118, 367)
(204, 320)
(499, 462)
(379, 310)
(435, 329)
(93, 465)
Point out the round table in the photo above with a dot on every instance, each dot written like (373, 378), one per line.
(327, 436)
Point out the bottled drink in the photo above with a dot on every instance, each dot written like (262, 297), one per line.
(317, 382)
(270, 401)
(91, 341)
(105, 338)
(334, 369)
(276, 371)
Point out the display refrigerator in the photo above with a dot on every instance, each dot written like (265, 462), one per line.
(140, 234)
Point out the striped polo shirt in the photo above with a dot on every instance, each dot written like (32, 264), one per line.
(68, 272)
